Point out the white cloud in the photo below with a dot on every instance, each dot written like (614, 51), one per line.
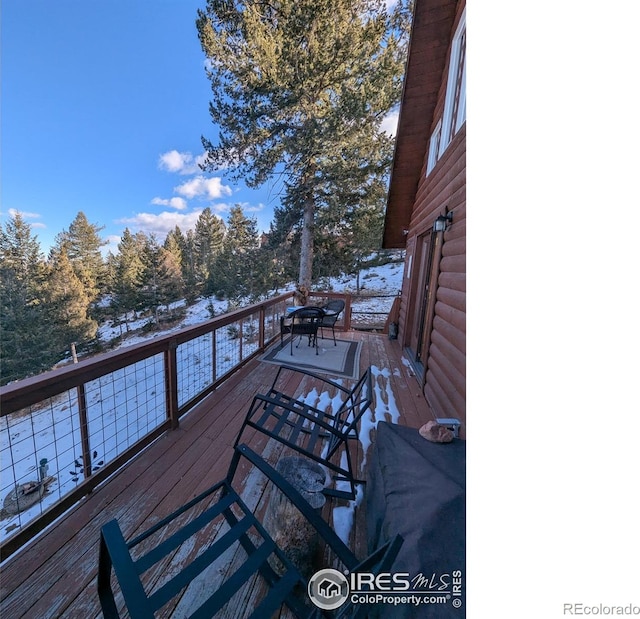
(162, 223)
(181, 163)
(210, 188)
(390, 123)
(177, 203)
(25, 215)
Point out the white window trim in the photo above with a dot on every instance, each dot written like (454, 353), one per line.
(434, 143)
(461, 116)
(449, 127)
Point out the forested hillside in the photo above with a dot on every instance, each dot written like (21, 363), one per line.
(52, 306)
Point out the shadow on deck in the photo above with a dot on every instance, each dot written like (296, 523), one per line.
(55, 575)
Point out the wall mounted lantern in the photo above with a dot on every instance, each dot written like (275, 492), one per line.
(442, 222)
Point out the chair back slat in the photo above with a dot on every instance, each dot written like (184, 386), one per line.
(356, 404)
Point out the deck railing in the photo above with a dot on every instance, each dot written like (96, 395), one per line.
(80, 423)
(369, 312)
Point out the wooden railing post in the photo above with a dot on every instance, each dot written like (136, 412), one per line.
(171, 383)
(347, 312)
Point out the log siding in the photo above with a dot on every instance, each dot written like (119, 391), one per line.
(442, 370)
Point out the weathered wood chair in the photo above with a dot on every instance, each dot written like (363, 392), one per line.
(318, 434)
(303, 321)
(264, 558)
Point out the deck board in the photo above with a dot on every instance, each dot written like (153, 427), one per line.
(55, 575)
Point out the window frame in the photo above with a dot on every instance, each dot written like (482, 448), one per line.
(455, 102)
(434, 147)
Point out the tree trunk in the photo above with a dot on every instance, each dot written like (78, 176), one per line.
(306, 244)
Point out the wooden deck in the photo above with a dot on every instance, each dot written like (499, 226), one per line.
(55, 575)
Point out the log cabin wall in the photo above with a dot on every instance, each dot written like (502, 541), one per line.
(434, 332)
(445, 377)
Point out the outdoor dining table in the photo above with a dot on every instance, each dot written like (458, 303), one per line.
(301, 321)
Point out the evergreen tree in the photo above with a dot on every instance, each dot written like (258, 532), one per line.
(208, 239)
(189, 268)
(162, 279)
(175, 244)
(24, 334)
(172, 266)
(83, 243)
(236, 267)
(242, 232)
(150, 275)
(183, 249)
(301, 87)
(109, 309)
(170, 282)
(129, 274)
(67, 304)
(364, 233)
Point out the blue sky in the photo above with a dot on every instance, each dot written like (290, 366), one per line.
(103, 108)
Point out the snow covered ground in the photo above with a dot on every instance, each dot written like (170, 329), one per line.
(380, 284)
(125, 405)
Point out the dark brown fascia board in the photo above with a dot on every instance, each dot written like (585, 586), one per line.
(428, 47)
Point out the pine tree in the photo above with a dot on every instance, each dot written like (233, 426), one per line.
(170, 282)
(189, 268)
(24, 334)
(67, 305)
(364, 234)
(175, 244)
(183, 248)
(83, 243)
(236, 266)
(162, 281)
(208, 239)
(300, 87)
(129, 274)
(242, 232)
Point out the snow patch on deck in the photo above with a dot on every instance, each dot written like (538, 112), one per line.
(384, 409)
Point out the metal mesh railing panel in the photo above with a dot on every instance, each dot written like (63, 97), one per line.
(123, 407)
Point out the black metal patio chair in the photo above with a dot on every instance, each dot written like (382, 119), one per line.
(245, 530)
(332, 311)
(321, 435)
(303, 321)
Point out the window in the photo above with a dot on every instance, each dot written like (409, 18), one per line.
(434, 146)
(455, 103)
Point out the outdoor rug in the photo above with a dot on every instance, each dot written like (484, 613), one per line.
(340, 360)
